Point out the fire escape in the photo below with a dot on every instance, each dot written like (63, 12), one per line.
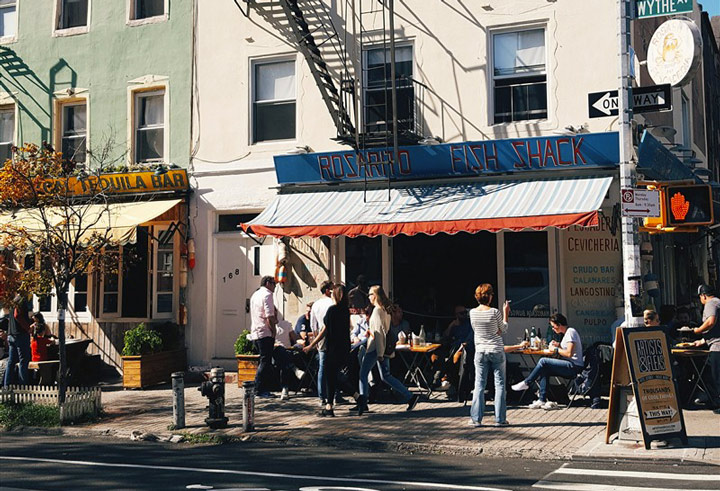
(352, 59)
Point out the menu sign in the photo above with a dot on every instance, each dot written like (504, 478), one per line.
(653, 384)
(593, 266)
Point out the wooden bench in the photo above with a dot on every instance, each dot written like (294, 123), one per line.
(46, 370)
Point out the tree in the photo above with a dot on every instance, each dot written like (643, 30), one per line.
(54, 208)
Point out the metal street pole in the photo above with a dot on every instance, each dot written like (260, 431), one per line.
(630, 240)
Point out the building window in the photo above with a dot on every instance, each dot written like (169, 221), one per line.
(519, 76)
(527, 282)
(8, 18)
(74, 131)
(144, 9)
(164, 275)
(149, 126)
(72, 13)
(377, 104)
(274, 101)
(7, 132)
(231, 222)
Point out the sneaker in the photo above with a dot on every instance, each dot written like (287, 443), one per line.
(413, 402)
(596, 403)
(474, 424)
(550, 405)
(284, 395)
(444, 385)
(266, 395)
(536, 404)
(299, 373)
(502, 423)
(520, 386)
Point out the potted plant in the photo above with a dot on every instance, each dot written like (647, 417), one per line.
(247, 358)
(147, 360)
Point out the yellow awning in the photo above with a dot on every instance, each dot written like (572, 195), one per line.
(120, 220)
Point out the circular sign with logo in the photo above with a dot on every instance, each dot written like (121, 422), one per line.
(673, 54)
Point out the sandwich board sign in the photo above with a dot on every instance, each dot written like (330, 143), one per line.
(642, 361)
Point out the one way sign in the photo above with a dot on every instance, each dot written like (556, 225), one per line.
(644, 100)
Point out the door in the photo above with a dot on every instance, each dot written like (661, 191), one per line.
(239, 264)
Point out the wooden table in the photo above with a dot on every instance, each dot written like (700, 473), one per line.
(695, 356)
(417, 364)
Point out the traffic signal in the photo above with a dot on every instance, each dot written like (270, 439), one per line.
(688, 205)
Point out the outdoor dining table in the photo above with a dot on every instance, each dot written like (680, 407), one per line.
(417, 364)
(698, 360)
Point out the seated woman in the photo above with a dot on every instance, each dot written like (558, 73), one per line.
(41, 338)
(569, 362)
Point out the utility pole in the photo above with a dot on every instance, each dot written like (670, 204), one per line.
(632, 275)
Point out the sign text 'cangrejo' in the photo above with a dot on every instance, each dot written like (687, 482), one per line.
(125, 183)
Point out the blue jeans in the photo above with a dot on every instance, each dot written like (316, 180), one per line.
(368, 362)
(321, 385)
(548, 367)
(387, 377)
(20, 353)
(484, 363)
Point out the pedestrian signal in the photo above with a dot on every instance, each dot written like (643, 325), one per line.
(688, 205)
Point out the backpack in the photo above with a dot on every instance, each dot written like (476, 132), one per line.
(597, 366)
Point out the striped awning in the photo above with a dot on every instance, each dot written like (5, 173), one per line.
(448, 208)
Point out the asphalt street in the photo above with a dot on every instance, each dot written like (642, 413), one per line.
(59, 462)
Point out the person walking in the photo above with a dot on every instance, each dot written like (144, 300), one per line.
(336, 336)
(568, 362)
(488, 326)
(377, 352)
(262, 329)
(317, 316)
(18, 343)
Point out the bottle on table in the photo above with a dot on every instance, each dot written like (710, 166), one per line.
(421, 336)
(533, 337)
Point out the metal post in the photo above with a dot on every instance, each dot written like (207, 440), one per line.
(248, 407)
(178, 387)
(630, 240)
(393, 81)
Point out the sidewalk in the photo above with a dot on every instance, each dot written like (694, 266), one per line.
(435, 426)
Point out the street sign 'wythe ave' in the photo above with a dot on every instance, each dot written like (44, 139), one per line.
(656, 8)
(644, 99)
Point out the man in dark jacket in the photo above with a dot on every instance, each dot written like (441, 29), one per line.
(18, 343)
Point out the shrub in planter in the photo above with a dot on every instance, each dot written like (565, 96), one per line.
(247, 359)
(145, 361)
(141, 341)
(243, 345)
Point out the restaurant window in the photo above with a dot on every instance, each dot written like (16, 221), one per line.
(7, 132)
(145, 9)
(363, 256)
(378, 115)
(527, 283)
(72, 13)
(273, 101)
(519, 76)
(74, 131)
(164, 284)
(79, 297)
(149, 126)
(8, 19)
(110, 291)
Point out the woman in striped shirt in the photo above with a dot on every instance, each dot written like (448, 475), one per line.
(488, 325)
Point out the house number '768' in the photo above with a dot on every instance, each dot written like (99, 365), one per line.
(231, 275)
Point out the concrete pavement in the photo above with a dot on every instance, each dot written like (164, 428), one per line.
(436, 425)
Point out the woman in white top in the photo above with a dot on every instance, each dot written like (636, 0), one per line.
(488, 325)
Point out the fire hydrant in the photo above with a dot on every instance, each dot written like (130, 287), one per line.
(214, 390)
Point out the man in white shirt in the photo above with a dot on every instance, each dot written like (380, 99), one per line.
(262, 329)
(317, 315)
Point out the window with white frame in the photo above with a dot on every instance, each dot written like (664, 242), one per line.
(149, 126)
(8, 18)
(77, 291)
(273, 101)
(7, 132)
(74, 131)
(164, 284)
(377, 112)
(519, 75)
(145, 9)
(72, 13)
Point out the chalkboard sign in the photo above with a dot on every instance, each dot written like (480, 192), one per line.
(642, 360)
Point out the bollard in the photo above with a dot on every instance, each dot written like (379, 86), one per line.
(178, 386)
(248, 408)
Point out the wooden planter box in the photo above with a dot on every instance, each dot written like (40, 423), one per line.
(145, 370)
(247, 367)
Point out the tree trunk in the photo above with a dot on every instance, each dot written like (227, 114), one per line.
(62, 380)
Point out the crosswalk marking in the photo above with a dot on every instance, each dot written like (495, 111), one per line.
(650, 475)
(581, 486)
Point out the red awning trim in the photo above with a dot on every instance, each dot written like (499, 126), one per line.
(588, 219)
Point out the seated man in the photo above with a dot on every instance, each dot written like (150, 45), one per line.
(568, 362)
(302, 325)
(286, 342)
